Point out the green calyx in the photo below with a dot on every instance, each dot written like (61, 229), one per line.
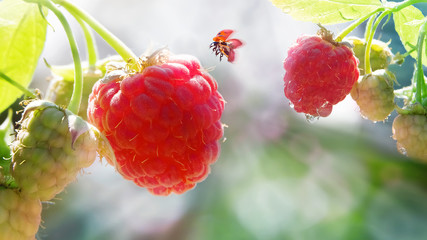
(412, 109)
(6, 129)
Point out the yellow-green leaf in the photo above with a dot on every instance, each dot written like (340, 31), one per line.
(327, 11)
(22, 37)
(407, 23)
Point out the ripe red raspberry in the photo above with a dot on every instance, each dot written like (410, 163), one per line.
(319, 74)
(163, 123)
(410, 132)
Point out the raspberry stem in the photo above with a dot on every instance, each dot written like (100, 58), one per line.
(352, 26)
(369, 34)
(92, 52)
(111, 39)
(397, 7)
(404, 4)
(17, 85)
(78, 72)
(420, 83)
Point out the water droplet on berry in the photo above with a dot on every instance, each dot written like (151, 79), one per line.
(311, 118)
(402, 150)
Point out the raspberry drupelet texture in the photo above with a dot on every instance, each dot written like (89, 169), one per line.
(162, 123)
(374, 94)
(319, 74)
(50, 149)
(410, 133)
(20, 216)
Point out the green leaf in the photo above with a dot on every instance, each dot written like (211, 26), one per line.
(327, 11)
(22, 37)
(407, 23)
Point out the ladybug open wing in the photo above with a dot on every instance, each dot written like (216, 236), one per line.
(234, 43)
(231, 56)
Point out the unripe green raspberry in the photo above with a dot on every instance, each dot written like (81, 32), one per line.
(61, 83)
(20, 216)
(61, 88)
(374, 95)
(410, 132)
(380, 56)
(51, 147)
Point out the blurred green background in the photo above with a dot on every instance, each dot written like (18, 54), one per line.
(278, 176)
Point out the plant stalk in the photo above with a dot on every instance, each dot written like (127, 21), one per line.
(112, 40)
(420, 83)
(405, 4)
(369, 34)
(92, 51)
(76, 97)
(352, 26)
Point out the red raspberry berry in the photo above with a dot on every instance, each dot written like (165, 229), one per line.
(319, 74)
(163, 123)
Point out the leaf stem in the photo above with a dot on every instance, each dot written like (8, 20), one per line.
(352, 26)
(406, 3)
(17, 85)
(420, 83)
(92, 51)
(396, 8)
(112, 40)
(76, 97)
(369, 34)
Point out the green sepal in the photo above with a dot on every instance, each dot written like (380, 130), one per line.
(6, 130)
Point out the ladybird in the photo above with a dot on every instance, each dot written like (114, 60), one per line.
(223, 46)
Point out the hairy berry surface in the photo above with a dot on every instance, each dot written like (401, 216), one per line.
(374, 95)
(163, 123)
(410, 132)
(45, 156)
(319, 74)
(20, 216)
